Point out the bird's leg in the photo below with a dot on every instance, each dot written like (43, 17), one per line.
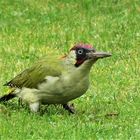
(34, 107)
(20, 102)
(70, 108)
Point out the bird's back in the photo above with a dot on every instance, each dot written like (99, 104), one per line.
(31, 77)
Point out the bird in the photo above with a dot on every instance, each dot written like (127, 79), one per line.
(55, 80)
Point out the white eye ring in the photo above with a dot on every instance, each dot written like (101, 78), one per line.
(80, 51)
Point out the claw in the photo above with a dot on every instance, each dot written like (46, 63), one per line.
(70, 108)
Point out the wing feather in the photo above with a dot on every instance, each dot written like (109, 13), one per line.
(36, 74)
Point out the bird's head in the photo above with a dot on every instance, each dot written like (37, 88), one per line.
(85, 52)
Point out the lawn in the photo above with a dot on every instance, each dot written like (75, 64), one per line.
(111, 107)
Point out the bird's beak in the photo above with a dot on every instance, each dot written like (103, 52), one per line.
(97, 55)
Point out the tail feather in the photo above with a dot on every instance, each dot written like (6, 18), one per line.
(7, 97)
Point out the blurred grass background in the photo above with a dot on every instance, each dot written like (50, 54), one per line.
(32, 29)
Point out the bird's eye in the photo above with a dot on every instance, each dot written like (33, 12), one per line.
(80, 51)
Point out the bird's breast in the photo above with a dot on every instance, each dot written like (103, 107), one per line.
(63, 89)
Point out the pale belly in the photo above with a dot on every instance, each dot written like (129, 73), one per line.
(63, 92)
(56, 91)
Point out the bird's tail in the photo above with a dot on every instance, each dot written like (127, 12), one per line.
(7, 97)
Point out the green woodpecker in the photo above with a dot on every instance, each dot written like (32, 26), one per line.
(55, 80)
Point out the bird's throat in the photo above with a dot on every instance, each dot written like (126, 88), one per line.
(79, 62)
(86, 66)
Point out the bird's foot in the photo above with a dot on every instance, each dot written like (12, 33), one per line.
(20, 102)
(70, 108)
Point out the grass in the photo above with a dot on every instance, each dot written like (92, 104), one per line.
(111, 107)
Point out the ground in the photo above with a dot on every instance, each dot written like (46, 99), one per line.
(111, 107)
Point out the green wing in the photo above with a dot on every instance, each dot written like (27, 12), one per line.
(35, 75)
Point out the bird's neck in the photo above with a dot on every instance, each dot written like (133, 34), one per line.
(86, 66)
(83, 70)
